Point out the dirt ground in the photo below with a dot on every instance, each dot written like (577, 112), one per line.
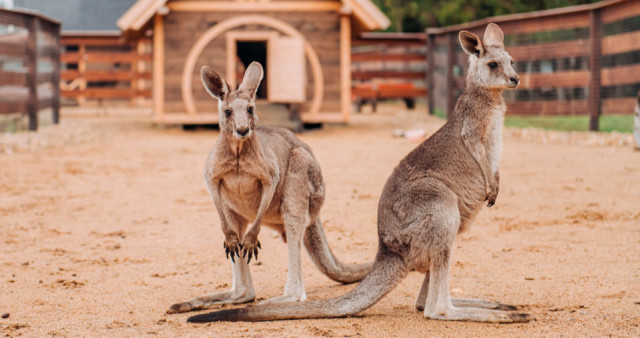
(100, 238)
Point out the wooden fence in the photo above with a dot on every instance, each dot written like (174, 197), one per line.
(29, 65)
(106, 68)
(571, 61)
(388, 66)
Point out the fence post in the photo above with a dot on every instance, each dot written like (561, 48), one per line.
(431, 63)
(32, 75)
(452, 40)
(55, 103)
(595, 37)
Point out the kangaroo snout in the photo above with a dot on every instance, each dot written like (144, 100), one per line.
(514, 80)
(243, 131)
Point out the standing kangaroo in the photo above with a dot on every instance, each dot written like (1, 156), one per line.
(263, 176)
(433, 194)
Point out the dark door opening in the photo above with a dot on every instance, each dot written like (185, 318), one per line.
(249, 51)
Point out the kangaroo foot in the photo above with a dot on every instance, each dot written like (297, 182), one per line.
(209, 300)
(285, 299)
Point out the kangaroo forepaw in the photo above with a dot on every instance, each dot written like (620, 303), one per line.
(250, 248)
(232, 248)
(180, 308)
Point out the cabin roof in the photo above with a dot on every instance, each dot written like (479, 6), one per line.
(365, 12)
(81, 16)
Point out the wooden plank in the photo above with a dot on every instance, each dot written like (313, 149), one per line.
(622, 105)
(528, 108)
(32, 66)
(105, 57)
(387, 57)
(345, 66)
(620, 75)
(621, 43)
(431, 64)
(553, 50)
(13, 79)
(105, 75)
(233, 6)
(558, 79)
(402, 93)
(595, 29)
(93, 41)
(158, 66)
(620, 11)
(8, 107)
(18, 50)
(106, 93)
(385, 74)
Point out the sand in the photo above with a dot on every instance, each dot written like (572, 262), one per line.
(99, 238)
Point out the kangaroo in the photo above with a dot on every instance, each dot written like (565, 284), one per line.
(263, 176)
(433, 194)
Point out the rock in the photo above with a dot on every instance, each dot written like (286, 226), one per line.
(5, 315)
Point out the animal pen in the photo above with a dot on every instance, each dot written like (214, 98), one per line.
(572, 61)
(304, 46)
(29, 65)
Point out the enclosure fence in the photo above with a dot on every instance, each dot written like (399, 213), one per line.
(29, 65)
(571, 61)
(106, 68)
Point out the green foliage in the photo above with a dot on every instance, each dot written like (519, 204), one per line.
(416, 15)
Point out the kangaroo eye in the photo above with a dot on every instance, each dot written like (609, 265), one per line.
(250, 110)
(493, 65)
(227, 112)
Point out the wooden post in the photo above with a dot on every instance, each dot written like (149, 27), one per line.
(55, 100)
(345, 66)
(431, 64)
(158, 67)
(452, 39)
(595, 37)
(82, 68)
(32, 75)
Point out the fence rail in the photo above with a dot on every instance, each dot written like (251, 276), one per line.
(29, 64)
(106, 68)
(572, 61)
(388, 66)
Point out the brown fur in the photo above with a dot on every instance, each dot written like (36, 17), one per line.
(264, 176)
(433, 193)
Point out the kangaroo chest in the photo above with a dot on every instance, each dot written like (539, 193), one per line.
(493, 138)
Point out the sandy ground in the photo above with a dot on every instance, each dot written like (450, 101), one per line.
(100, 238)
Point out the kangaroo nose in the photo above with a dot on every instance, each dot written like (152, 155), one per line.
(243, 131)
(515, 79)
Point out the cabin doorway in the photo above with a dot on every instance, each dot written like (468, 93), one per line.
(247, 52)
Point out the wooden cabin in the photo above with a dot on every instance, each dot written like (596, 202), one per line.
(304, 47)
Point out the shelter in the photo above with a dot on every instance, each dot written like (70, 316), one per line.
(304, 46)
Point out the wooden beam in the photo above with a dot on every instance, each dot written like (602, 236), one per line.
(577, 78)
(233, 6)
(32, 66)
(430, 76)
(621, 43)
(388, 74)
(158, 66)
(358, 57)
(345, 66)
(595, 41)
(452, 43)
(104, 57)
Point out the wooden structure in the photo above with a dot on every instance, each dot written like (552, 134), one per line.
(304, 46)
(106, 67)
(389, 66)
(574, 60)
(29, 64)
(98, 64)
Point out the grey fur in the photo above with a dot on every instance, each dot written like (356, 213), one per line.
(264, 176)
(432, 195)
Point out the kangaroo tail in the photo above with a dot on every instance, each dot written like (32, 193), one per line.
(318, 248)
(388, 270)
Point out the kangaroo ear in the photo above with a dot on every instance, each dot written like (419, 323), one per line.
(252, 78)
(493, 36)
(471, 43)
(214, 83)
